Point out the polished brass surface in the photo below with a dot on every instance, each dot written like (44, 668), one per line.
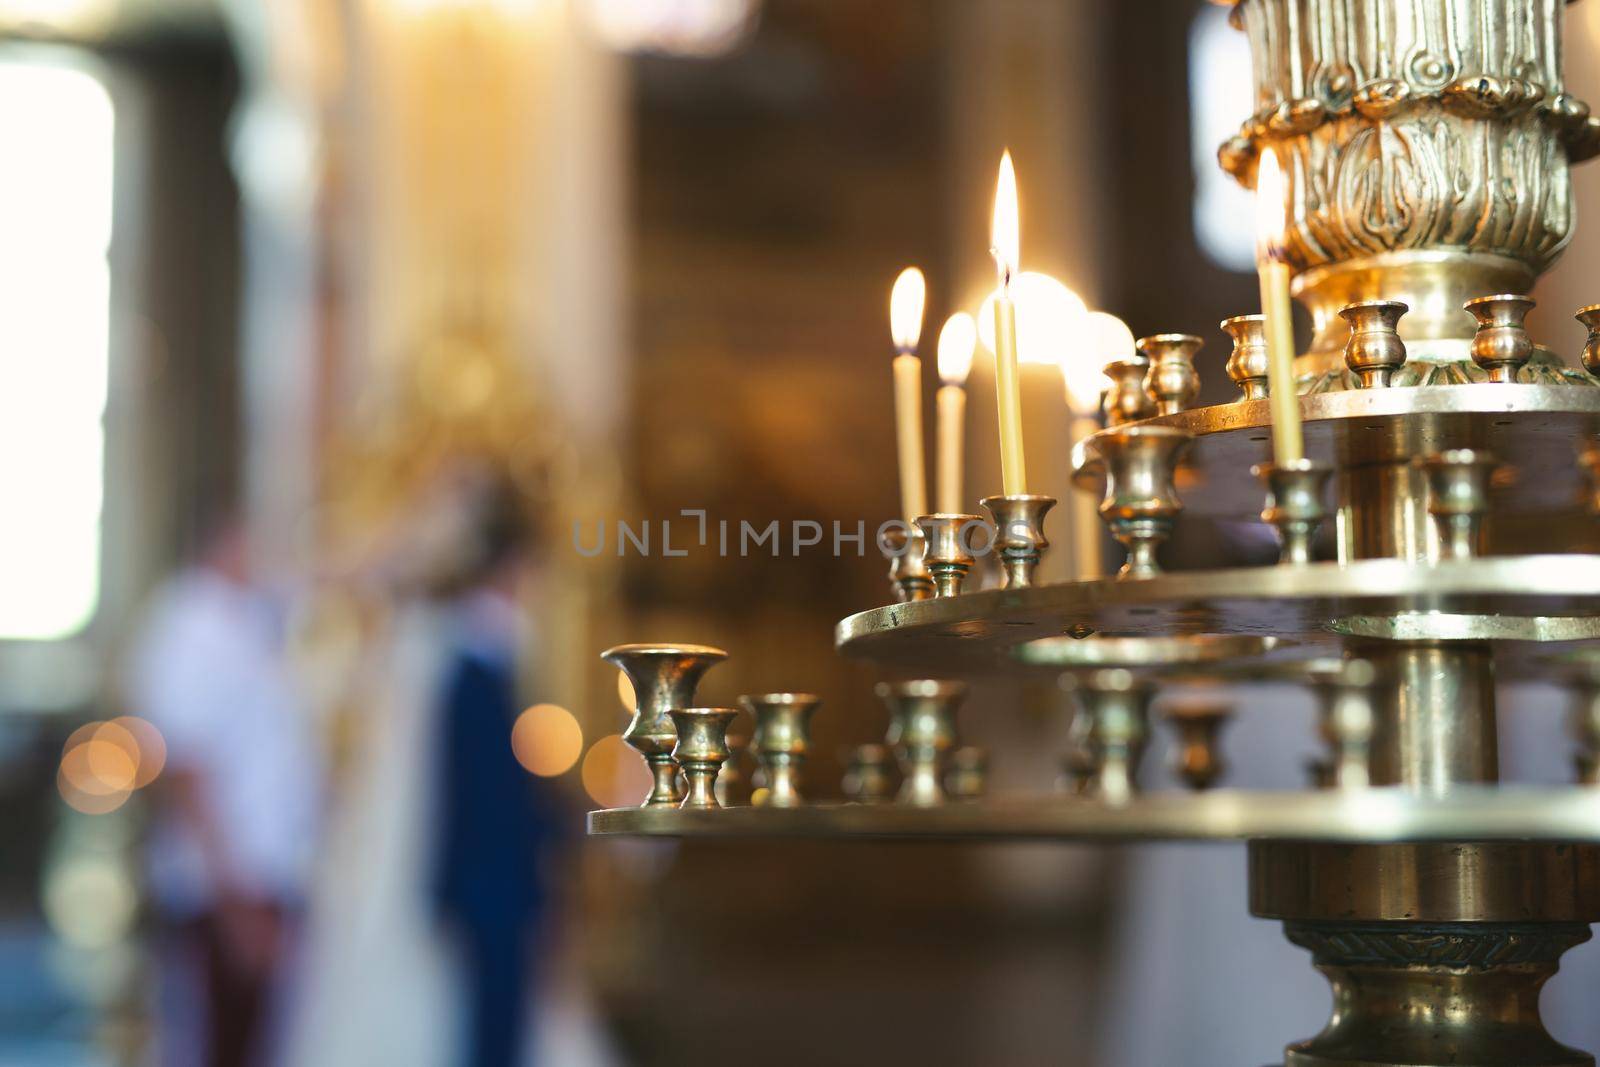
(1140, 503)
(1198, 757)
(1501, 346)
(949, 549)
(701, 750)
(908, 574)
(1436, 714)
(1590, 318)
(1294, 504)
(1374, 352)
(781, 740)
(922, 730)
(968, 775)
(1458, 498)
(1019, 534)
(1156, 653)
(663, 677)
(870, 776)
(1435, 951)
(733, 781)
(1171, 382)
(1505, 813)
(1125, 399)
(1346, 721)
(1247, 365)
(1115, 708)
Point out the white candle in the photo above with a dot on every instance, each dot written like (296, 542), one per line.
(1005, 246)
(905, 323)
(956, 342)
(1287, 443)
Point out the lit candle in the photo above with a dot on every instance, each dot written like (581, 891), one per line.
(1287, 445)
(956, 342)
(1005, 246)
(905, 325)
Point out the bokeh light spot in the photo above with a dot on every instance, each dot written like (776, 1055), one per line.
(547, 740)
(614, 775)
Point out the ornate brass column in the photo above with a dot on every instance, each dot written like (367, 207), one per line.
(1427, 146)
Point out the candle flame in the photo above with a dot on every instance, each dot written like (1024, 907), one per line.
(1271, 213)
(956, 343)
(1005, 239)
(905, 309)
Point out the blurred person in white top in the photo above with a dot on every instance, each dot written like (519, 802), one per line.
(232, 844)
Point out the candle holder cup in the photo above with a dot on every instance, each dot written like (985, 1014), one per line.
(1125, 400)
(1375, 351)
(1140, 504)
(701, 750)
(1248, 366)
(1294, 504)
(922, 731)
(781, 740)
(908, 571)
(1590, 318)
(1115, 707)
(949, 553)
(968, 776)
(1458, 497)
(1501, 346)
(1198, 757)
(1019, 534)
(664, 677)
(870, 776)
(1172, 382)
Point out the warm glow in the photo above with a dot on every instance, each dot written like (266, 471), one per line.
(75, 16)
(691, 28)
(905, 309)
(547, 740)
(1270, 209)
(625, 692)
(102, 763)
(1105, 338)
(1049, 319)
(613, 774)
(1005, 237)
(956, 341)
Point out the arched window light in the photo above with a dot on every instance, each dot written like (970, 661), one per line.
(1220, 96)
(56, 126)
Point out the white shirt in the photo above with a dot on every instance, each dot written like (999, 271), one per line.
(210, 673)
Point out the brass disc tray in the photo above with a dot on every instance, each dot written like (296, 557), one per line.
(1369, 815)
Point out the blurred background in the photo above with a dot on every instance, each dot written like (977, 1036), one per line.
(334, 332)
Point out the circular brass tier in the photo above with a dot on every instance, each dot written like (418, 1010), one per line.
(1537, 431)
(1357, 816)
(1500, 598)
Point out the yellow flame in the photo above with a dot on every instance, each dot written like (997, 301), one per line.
(1005, 238)
(905, 309)
(956, 342)
(1270, 209)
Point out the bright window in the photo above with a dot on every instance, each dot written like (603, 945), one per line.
(1220, 98)
(56, 133)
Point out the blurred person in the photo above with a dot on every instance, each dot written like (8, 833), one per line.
(427, 920)
(232, 839)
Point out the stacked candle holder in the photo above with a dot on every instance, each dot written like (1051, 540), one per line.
(1429, 473)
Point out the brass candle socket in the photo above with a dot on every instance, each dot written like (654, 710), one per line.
(733, 784)
(1501, 346)
(968, 776)
(701, 750)
(1584, 723)
(1248, 365)
(1115, 707)
(1374, 351)
(1590, 317)
(1125, 399)
(1198, 757)
(781, 740)
(949, 553)
(1458, 497)
(1140, 504)
(1346, 722)
(1019, 534)
(908, 571)
(1294, 504)
(870, 776)
(1171, 382)
(922, 731)
(664, 677)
